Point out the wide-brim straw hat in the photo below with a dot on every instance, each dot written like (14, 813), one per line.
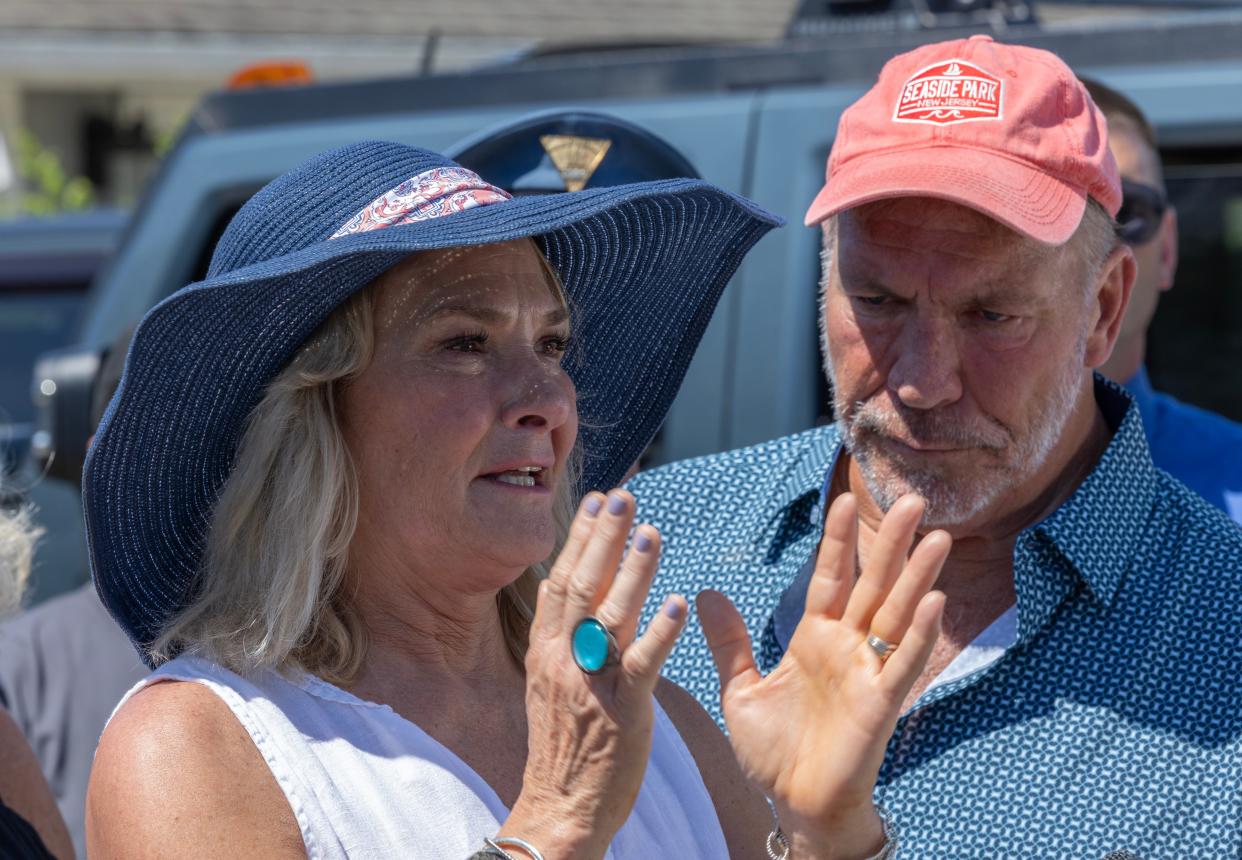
(643, 267)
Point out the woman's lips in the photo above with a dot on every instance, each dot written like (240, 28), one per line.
(527, 478)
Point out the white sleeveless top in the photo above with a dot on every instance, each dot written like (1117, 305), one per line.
(364, 782)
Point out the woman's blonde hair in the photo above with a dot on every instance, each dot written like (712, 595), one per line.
(274, 591)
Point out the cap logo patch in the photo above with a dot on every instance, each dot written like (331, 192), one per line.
(949, 92)
(575, 158)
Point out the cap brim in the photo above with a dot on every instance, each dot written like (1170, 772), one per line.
(1017, 195)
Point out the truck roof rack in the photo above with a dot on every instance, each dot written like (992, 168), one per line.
(818, 18)
(807, 59)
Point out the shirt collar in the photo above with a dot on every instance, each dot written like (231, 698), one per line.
(1050, 555)
(806, 473)
(1122, 482)
(1139, 388)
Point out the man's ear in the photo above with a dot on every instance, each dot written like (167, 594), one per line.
(1111, 295)
(1167, 237)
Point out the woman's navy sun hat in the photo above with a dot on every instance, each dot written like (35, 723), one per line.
(643, 267)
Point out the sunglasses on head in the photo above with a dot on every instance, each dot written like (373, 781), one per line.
(1142, 209)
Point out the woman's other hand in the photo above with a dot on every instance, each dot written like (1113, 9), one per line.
(812, 734)
(589, 736)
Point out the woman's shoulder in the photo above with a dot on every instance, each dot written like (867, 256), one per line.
(174, 747)
(172, 733)
(176, 714)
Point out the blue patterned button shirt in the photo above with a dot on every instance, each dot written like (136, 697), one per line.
(1115, 720)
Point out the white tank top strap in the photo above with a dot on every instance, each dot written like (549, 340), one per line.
(363, 782)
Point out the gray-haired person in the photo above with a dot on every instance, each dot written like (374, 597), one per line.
(64, 665)
(30, 824)
(1083, 697)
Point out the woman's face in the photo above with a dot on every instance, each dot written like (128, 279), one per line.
(462, 425)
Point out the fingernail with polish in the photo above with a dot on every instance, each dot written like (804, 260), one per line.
(592, 505)
(616, 504)
(673, 609)
(642, 543)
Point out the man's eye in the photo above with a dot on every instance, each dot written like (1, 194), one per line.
(872, 301)
(468, 342)
(994, 317)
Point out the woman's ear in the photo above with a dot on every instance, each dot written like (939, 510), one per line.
(1111, 295)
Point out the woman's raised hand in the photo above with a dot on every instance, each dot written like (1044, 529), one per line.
(813, 732)
(589, 736)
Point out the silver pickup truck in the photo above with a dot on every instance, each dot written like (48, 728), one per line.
(757, 120)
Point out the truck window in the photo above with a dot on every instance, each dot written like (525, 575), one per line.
(1194, 350)
(203, 260)
(33, 320)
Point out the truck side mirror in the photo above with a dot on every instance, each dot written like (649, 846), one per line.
(64, 382)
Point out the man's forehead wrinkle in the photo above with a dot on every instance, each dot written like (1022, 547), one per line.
(949, 240)
(955, 281)
(937, 225)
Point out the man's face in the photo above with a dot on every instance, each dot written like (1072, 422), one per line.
(1156, 258)
(956, 352)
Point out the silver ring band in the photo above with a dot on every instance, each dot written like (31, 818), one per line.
(882, 649)
(593, 646)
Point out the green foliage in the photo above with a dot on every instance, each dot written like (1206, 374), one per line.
(47, 189)
(166, 139)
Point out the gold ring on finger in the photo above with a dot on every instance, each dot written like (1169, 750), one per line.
(882, 648)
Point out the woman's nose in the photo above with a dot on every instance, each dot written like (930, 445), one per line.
(540, 398)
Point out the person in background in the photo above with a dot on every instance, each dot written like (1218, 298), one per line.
(1083, 696)
(65, 664)
(1198, 447)
(30, 825)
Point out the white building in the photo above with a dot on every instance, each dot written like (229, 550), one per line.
(105, 83)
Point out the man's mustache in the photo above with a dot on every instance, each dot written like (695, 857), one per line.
(936, 429)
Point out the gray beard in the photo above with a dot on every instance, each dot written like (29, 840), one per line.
(953, 499)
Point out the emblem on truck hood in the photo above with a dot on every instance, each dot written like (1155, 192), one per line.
(949, 92)
(575, 158)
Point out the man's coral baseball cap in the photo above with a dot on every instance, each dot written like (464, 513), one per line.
(1004, 129)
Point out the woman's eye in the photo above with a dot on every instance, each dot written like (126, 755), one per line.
(556, 345)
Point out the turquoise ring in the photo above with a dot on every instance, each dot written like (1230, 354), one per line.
(595, 648)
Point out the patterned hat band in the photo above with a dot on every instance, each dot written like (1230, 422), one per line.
(431, 194)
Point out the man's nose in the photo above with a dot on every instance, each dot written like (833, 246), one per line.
(927, 371)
